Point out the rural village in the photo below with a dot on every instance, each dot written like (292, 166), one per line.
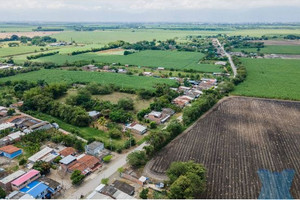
(149, 111)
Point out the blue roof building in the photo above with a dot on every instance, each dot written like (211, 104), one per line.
(36, 189)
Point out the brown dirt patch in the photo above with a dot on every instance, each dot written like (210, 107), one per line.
(234, 140)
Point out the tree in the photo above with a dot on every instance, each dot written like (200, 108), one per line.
(137, 159)
(10, 112)
(105, 181)
(187, 179)
(2, 193)
(115, 133)
(77, 177)
(42, 166)
(144, 193)
(153, 125)
(23, 161)
(121, 170)
(175, 128)
(126, 104)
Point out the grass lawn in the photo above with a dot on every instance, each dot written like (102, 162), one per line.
(122, 80)
(271, 78)
(276, 49)
(168, 59)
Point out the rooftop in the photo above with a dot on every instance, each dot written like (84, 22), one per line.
(34, 188)
(16, 135)
(6, 125)
(93, 113)
(49, 182)
(94, 145)
(40, 154)
(12, 176)
(67, 160)
(25, 177)
(9, 149)
(124, 187)
(67, 151)
(139, 127)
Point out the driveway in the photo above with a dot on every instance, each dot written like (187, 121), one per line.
(94, 180)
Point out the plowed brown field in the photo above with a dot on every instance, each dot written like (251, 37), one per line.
(238, 137)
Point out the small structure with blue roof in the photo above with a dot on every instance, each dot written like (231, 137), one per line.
(36, 189)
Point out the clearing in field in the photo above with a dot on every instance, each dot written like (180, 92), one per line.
(271, 78)
(116, 51)
(236, 139)
(151, 58)
(121, 80)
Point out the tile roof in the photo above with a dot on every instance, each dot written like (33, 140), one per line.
(84, 163)
(9, 149)
(67, 151)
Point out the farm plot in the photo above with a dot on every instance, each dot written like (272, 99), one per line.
(121, 80)
(11, 51)
(271, 78)
(273, 49)
(238, 137)
(168, 59)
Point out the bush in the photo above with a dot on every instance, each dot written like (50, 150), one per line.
(144, 193)
(115, 133)
(23, 161)
(153, 125)
(105, 181)
(137, 159)
(57, 159)
(107, 158)
(77, 177)
(2, 193)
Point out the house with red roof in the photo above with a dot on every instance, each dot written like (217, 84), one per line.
(10, 151)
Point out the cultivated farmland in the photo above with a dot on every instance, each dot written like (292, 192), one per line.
(122, 80)
(168, 59)
(238, 137)
(271, 78)
(275, 49)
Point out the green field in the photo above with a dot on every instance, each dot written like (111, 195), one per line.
(274, 49)
(122, 80)
(11, 51)
(271, 78)
(168, 59)
(128, 35)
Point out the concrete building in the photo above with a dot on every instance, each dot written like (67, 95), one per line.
(94, 148)
(25, 179)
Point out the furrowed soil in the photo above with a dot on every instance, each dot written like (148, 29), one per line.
(234, 140)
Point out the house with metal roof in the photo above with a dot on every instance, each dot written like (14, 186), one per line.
(137, 128)
(36, 189)
(47, 154)
(25, 179)
(10, 151)
(124, 187)
(18, 195)
(5, 183)
(54, 187)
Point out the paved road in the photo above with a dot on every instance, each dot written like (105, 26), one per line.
(229, 58)
(89, 185)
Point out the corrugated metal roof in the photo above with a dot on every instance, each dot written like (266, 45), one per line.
(12, 176)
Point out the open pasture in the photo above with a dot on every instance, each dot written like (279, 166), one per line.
(121, 80)
(234, 140)
(169, 59)
(271, 78)
(11, 51)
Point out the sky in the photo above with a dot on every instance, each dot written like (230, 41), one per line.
(201, 11)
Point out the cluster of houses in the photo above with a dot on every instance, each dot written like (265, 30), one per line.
(160, 117)
(191, 93)
(32, 185)
(29, 185)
